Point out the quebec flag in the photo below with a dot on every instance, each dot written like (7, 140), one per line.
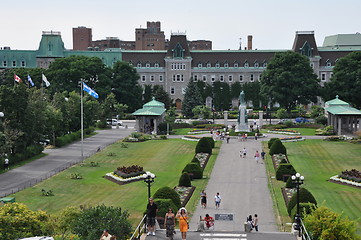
(90, 91)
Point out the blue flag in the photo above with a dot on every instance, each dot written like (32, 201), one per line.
(90, 91)
(30, 81)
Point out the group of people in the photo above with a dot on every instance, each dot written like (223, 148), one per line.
(217, 200)
(252, 222)
(257, 155)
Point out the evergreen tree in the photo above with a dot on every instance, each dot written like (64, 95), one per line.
(162, 96)
(192, 98)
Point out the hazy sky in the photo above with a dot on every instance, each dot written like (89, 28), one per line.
(272, 23)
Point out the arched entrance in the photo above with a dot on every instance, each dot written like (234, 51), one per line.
(178, 104)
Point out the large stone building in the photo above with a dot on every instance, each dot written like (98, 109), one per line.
(174, 67)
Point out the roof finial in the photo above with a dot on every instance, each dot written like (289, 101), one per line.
(153, 98)
(337, 96)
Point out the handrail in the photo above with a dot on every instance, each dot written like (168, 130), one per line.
(139, 229)
(304, 232)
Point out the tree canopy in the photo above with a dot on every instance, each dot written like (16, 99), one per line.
(289, 80)
(346, 80)
(192, 98)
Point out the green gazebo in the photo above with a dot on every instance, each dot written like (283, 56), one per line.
(149, 117)
(342, 117)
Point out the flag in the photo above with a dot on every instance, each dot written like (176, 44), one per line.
(30, 81)
(90, 91)
(17, 79)
(47, 83)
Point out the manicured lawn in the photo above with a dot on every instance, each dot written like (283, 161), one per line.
(165, 158)
(182, 131)
(305, 131)
(317, 161)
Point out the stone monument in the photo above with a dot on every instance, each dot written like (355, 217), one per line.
(242, 121)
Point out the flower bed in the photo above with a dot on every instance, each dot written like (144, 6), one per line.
(292, 139)
(203, 159)
(277, 159)
(352, 177)
(287, 194)
(119, 180)
(196, 131)
(336, 179)
(284, 131)
(185, 193)
(191, 138)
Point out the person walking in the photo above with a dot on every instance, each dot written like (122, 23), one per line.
(217, 200)
(256, 156)
(169, 223)
(105, 235)
(228, 137)
(6, 163)
(183, 222)
(255, 136)
(152, 210)
(244, 152)
(263, 154)
(250, 223)
(203, 199)
(255, 222)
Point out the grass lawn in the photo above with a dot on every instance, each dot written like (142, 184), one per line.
(305, 131)
(317, 161)
(165, 158)
(184, 131)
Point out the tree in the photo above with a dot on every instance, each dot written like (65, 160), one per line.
(162, 96)
(66, 221)
(170, 115)
(346, 80)
(281, 113)
(205, 90)
(236, 89)
(125, 85)
(222, 97)
(322, 224)
(252, 93)
(192, 98)
(202, 111)
(147, 93)
(289, 80)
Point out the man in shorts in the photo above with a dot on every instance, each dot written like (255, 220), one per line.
(152, 210)
(217, 200)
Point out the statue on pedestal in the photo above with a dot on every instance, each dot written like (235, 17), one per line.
(242, 121)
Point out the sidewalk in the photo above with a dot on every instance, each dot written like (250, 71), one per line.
(57, 160)
(242, 184)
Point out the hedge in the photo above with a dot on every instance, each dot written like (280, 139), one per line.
(195, 169)
(71, 137)
(29, 152)
(184, 180)
(305, 197)
(277, 147)
(284, 169)
(195, 160)
(290, 184)
(270, 142)
(168, 193)
(163, 206)
(211, 141)
(203, 146)
(305, 208)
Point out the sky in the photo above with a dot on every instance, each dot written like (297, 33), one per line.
(273, 23)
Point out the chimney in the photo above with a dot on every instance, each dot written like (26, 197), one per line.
(249, 37)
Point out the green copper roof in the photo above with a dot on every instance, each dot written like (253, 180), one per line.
(51, 45)
(342, 40)
(343, 110)
(152, 108)
(336, 102)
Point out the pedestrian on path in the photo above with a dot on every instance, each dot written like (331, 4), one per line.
(250, 223)
(217, 200)
(152, 210)
(255, 136)
(169, 223)
(105, 235)
(203, 199)
(263, 154)
(256, 156)
(6, 163)
(183, 222)
(243, 153)
(255, 222)
(228, 137)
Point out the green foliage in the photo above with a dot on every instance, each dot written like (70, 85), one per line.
(271, 141)
(195, 169)
(222, 97)
(71, 137)
(168, 193)
(289, 183)
(65, 222)
(18, 221)
(163, 206)
(92, 221)
(345, 80)
(192, 98)
(316, 111)
(204, 146)
(277, 147)
(284, 169)
(321, 120)
(201, 111)
(281, 113)
(162, 96)
(185, 180)
(162, 128)
(195, 160)
(325, 224)
(211, 141)
(289, 80)
(305, 197)
(305, 209)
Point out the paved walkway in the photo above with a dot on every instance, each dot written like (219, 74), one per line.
(57, 160)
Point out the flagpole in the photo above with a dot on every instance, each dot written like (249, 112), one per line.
(81, 118)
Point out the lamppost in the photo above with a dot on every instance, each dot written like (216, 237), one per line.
(148, 179)
(297, 179)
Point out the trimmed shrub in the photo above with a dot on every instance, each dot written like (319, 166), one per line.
(168, 193)
(270, 142)
(211, 141)
(163, 206)
(305, 209)
(184, 180)
(277, 147)
(195, 160)
(195, 169)
(290, 184)
(284, 169)
(162, 128)
(203, 146)
(305, 197)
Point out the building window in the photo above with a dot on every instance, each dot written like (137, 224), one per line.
(221, 78)
(183, 90)
(172, 90)
(323, 77)
(256, 65)
(178, 78)
(204, 78)
(246, 65)
(230, 78)
(184, 66)
(195, 78)
(235, 65)
(5, 63)
(200, 65)
(208, 65)
(23, 63)
(156, 65)
(328, 64)
(160, 78)
(139, 65)
(14, 63)
(172, 66)
(241, 78)
(174, 78)
(252, 78)
(312, 65)
(152, 78)
(182, 78)
(259, 77)
(264, 65)
(213, 78)
(226, 65)
(143, 78)
(217, 65)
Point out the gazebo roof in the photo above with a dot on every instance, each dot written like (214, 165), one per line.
(336, 102)
(152, 108)
(338, 107)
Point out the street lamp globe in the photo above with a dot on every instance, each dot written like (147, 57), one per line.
(1, 114)
(298, 175)
(302, 178)
(293, 177)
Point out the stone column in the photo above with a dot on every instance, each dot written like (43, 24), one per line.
(260, 117)
(155, 126)
(225, 114)
(339, 127)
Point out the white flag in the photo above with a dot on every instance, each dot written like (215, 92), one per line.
(47, 83)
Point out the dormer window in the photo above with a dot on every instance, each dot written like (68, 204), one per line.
(256, 65)
(225, 65)
(306, 50)
(156, 65)
(246, 65)
(208, 65)
(264, 65)
(200, 65)
(328, 63)
(178, 51)
(139, 65)
(147, 65)
(217, 65)
(235, 65)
